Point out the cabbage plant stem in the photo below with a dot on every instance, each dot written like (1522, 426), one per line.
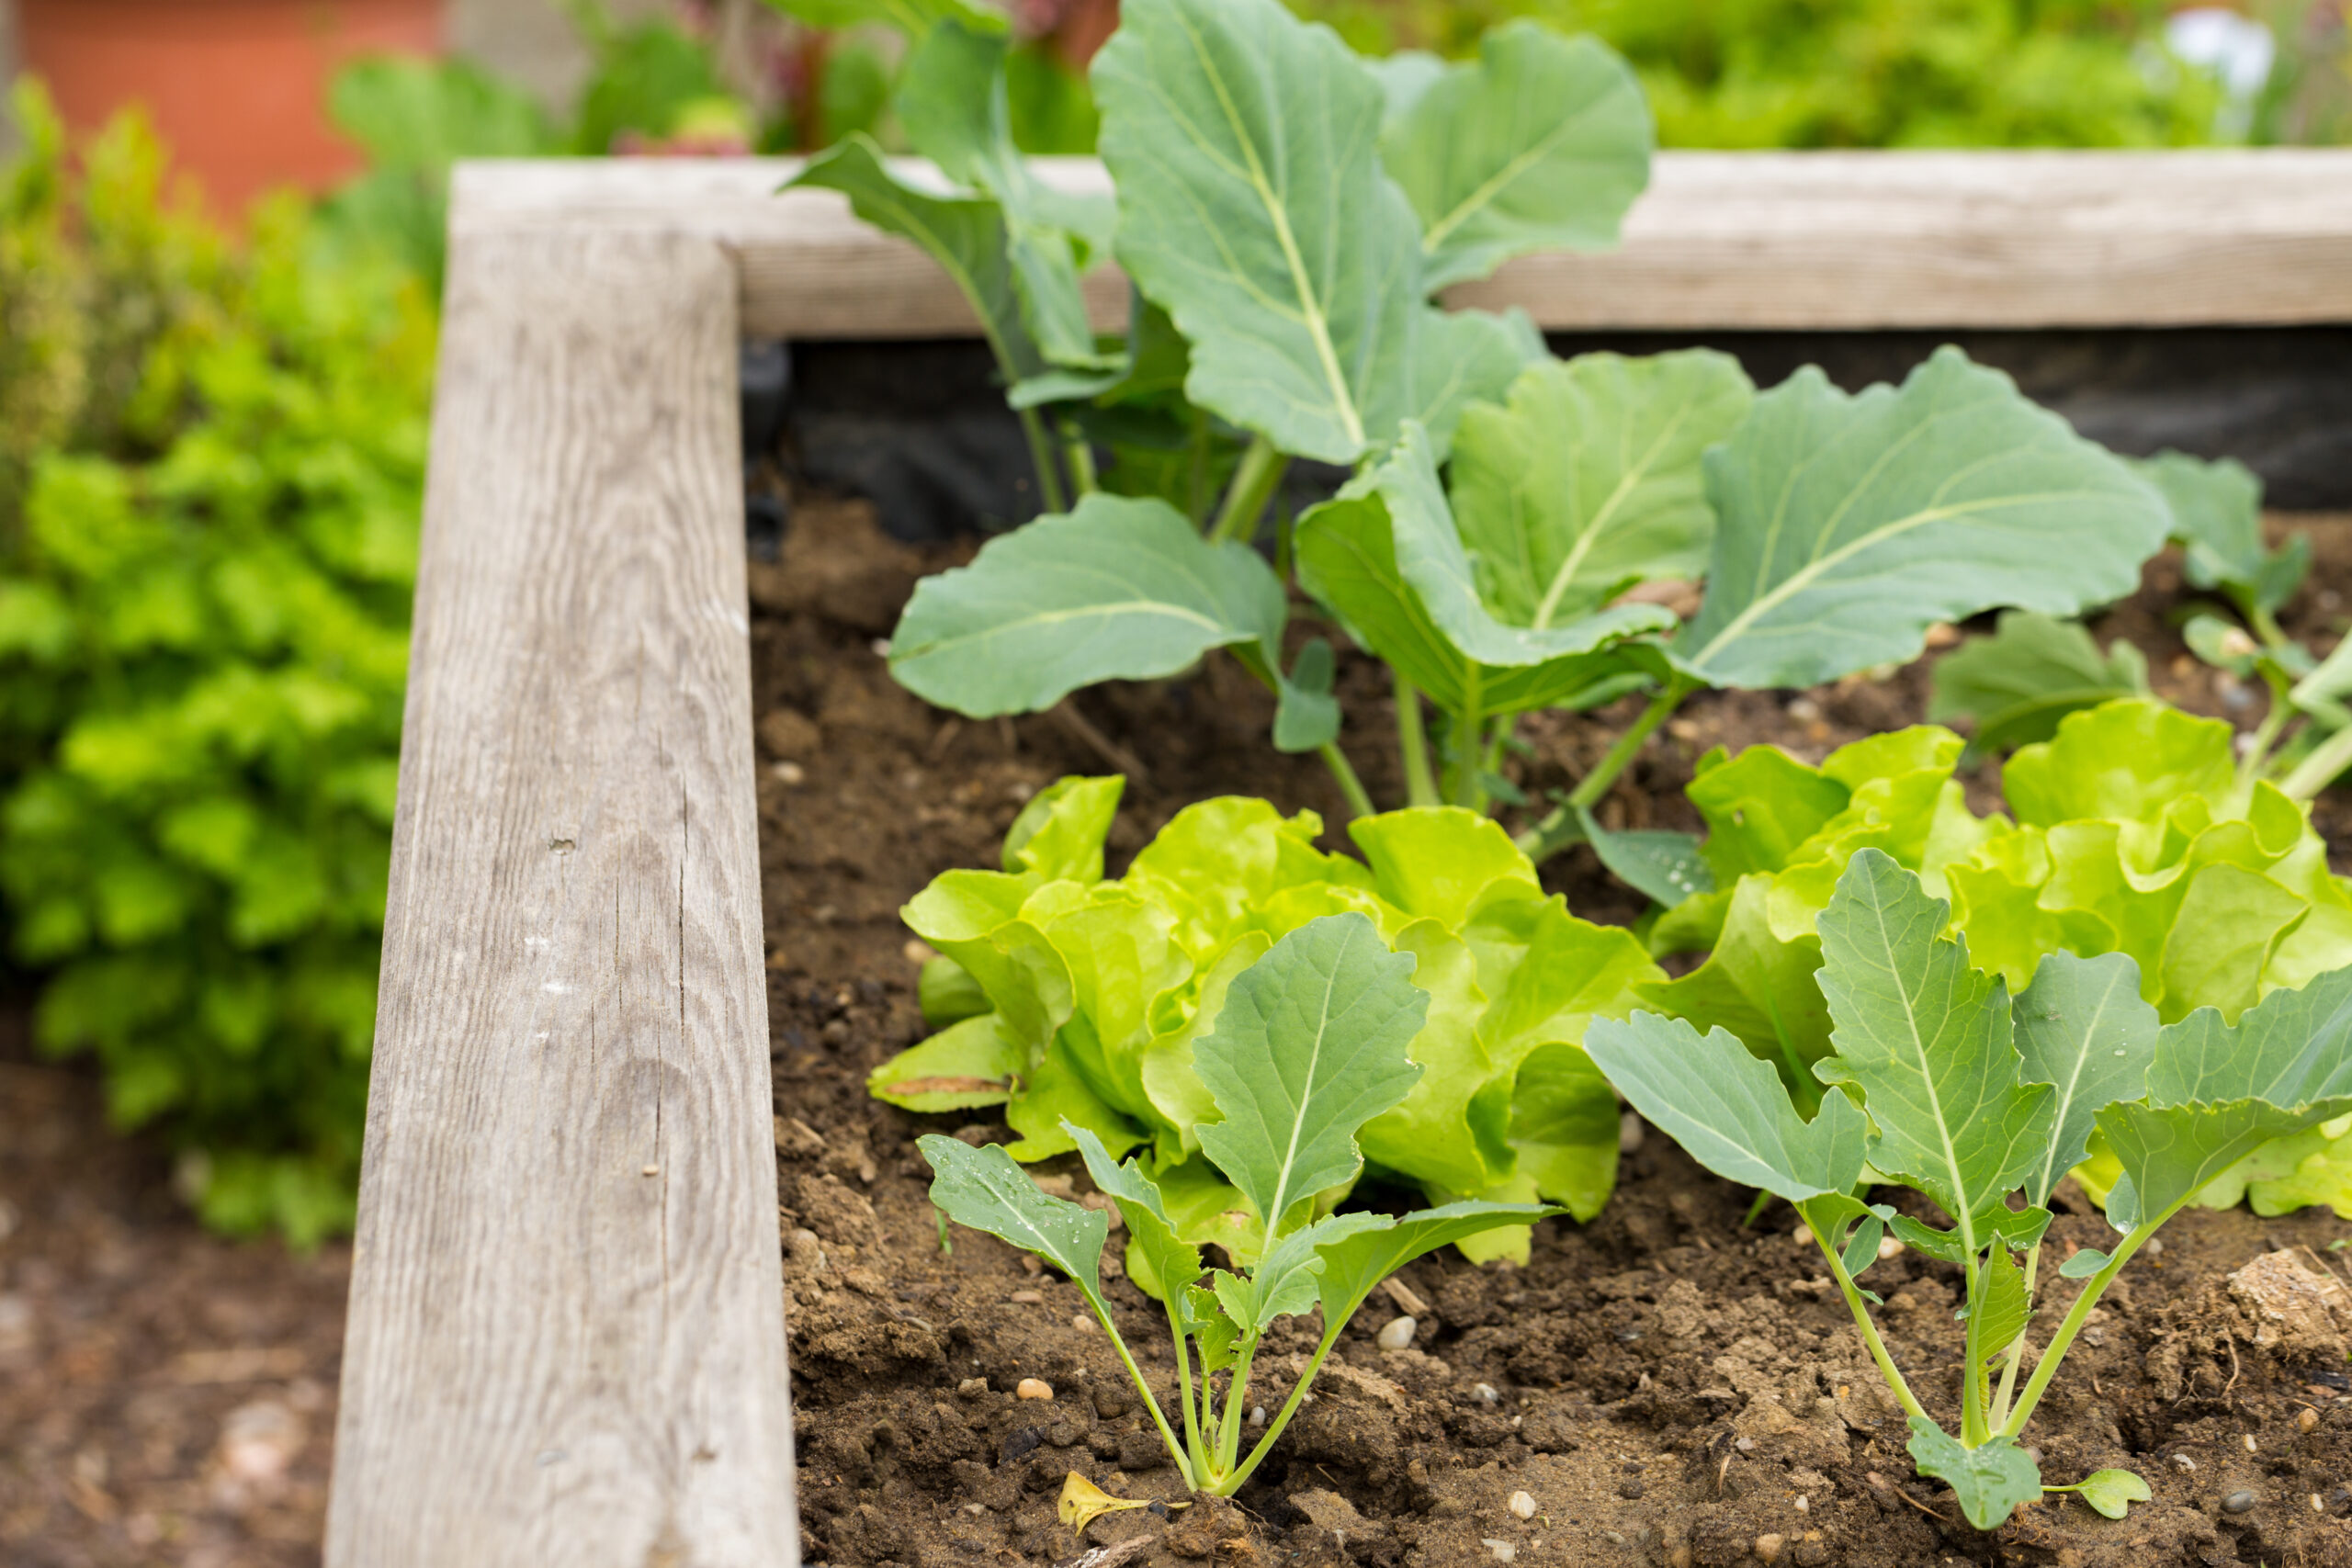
(1413, 745)
(2047, 1367)
(1080, 457)
(1041, 457)
(1870, 1341)
(1559, 829)
(1253, 483)
(2317, 771)
(1135, 1373)
(1359, 799)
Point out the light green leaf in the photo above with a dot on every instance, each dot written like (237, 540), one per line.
(1564, 1127)
(1307, 715)
(1404, 76)
(1542, 144)
(1759, 986)
(2217, 1092)
(2083, 1264)
(1366, 557)
(1431, 557)
(1445, 863)
(1989, 1480)
(1215, 1332)
(1254, 209)
(970, 1064)
(912, 17)
(2112, 1492)
(1059, 833)
(2128, 759)
(1174, 1264)
(2295, 1049)
(1588, 477)
(2031, 673)
(975, 918)
(983, 1189)
(1727, 1108)
(1847, 526)
(947, 994)
(1117, 589)
(1057, 1097)
(1354, 1263)
(1926, 1039)
(952, 102)
(2081, 1027)
(965, 235)
(2005, 1308)
(2217, 516)
(1285, 1281)
(1666, 865)
(1309, 1047)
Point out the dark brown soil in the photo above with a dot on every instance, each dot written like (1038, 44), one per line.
(166, 1395)
(1666, 1386)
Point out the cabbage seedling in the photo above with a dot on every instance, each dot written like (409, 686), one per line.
(1287, 213)
(1309, 1047)
(1943, 1083)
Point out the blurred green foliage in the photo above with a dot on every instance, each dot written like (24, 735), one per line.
(208, 538)
(1856, 73)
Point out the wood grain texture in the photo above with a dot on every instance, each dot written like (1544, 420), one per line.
(1818, 241)
(566, 1342)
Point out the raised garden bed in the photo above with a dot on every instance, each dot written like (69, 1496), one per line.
(565, 1345)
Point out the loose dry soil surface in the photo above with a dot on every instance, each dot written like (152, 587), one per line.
(1665, 1385)
(166, 1395)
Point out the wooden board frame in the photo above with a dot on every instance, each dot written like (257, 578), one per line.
(566, 1341)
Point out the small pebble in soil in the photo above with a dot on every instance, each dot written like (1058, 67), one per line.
(1034, 1388)
(1026, 1298)
(2239, 1502)
(1767, 1548)
(2186, 1463)
(1522, 1504)
(2306, 1420)
(2249, 1444)
(1396, 1334)
(1746, 1445)
(1483, 1393)
(1805, 1504)
(972, 1388)
(1630, 1488)
(2318, 1507)
(1082, 1323)
(1257, 1415)
(1631, 1131)
(1504, 1551)
(1889, 1247)
(2156, 1247)
(1030, 1264)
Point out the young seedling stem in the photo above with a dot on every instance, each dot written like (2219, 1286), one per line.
(1253, 484)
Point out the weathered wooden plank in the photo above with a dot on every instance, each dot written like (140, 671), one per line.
(1816, 240)
(566, 1342)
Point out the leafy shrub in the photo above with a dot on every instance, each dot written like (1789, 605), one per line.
(203, 612)
(1941, 1083)
(2135, 831)
(1856, 73)
(1089, 997)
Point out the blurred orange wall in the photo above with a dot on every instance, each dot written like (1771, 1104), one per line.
(237, 87)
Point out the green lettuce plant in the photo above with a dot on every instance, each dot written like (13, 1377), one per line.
(1080, 1002)
(1286, 213)
(2135, 831)
(1938, 1081)
(1309, 1047)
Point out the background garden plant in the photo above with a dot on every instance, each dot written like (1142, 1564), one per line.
(1297, 322)
(1308, 1048)
(207, 533)
(1938, 1082)
(1082, 1005)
